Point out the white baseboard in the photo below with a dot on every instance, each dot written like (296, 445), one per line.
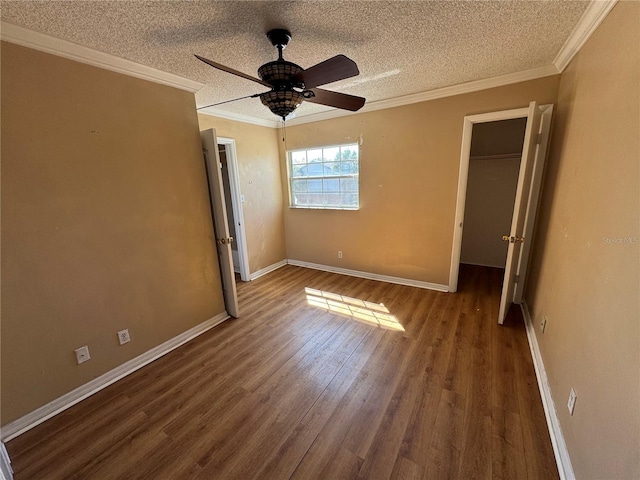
(6, 472)
(371, 276)
(553, 423)
(30, 420)
(268, 269)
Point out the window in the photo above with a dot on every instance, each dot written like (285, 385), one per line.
(325, 177)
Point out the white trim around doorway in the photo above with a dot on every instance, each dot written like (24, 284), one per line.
(465, 153)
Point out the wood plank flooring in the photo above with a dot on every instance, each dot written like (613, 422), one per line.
(323, 376)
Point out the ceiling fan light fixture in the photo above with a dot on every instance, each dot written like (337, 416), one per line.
(282, 102)
(291, 84)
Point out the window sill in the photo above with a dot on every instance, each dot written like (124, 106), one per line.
(318, 207)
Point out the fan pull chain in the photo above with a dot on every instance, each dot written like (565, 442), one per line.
(284, 134)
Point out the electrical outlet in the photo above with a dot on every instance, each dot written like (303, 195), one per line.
(543, 323)
(82, 354)
(123, 336)
(572, 401)
(339, 253)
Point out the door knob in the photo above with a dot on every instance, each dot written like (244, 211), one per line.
(515, 239)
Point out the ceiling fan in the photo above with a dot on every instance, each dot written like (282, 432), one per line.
(290, 84)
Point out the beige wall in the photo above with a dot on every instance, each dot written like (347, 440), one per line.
(259, 169)
(586, 264)
(409, 175)
(105, 223)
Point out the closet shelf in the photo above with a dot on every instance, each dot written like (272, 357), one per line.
(501, 156)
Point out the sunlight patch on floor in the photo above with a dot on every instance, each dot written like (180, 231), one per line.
(371, 313)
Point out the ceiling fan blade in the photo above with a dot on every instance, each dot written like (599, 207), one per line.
(336, 99)
(331, 70)
(231, 70)
(229, 101)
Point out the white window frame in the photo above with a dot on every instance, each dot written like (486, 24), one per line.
(324, 206)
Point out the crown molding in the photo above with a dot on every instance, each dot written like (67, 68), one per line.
(589, 22)
(239, 117)
(73, 51)
(435, 94)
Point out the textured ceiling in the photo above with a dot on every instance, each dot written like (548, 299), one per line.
(400, 47)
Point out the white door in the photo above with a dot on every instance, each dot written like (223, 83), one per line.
(534, 198)
(517, 235)
(220, 222)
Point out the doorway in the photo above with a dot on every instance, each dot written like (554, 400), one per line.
(494, 164)
(523, 207)
(234, 200)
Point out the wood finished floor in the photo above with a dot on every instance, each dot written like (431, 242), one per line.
(292, 391)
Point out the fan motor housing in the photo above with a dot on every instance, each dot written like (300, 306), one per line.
(280, 74)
